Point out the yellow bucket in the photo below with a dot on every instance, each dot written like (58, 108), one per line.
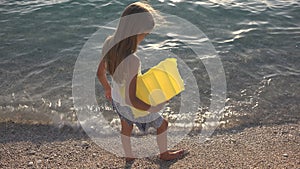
(160, 83)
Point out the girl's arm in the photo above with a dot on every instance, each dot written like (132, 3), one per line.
(101, 74)
(131, 98)
(139, 104)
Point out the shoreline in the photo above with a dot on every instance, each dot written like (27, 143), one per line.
(46, 146)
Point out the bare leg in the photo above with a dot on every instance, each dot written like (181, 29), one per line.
(162, 143)
(125, 138)
(162, 137)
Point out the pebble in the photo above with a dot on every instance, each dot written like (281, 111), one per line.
(208, 139)
(85, 144)
(30, 164)
(94, 154)
(39, 161)
(98, 165)
(32, 152)
(233, 141)
(285, 155)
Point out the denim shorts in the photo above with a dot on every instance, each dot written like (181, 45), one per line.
(143, 123)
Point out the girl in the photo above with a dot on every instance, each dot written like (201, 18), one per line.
(121, 62)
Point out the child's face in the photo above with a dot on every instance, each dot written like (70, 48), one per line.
(141, 37)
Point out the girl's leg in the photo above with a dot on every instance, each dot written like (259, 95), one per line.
(125, 138)
(162, 143)
(162, 136)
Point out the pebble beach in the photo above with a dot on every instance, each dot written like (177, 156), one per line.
(46, 146)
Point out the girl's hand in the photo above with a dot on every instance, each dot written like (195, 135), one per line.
(108, 94)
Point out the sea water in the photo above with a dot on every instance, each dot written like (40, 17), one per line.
(258, 43)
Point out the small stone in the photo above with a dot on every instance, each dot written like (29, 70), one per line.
(167, 109)
(285, 155)
(32, 152)
(39, 161)
(94, 155)
(85, 144)
(208, 140)
(30, 164)
(233, 141)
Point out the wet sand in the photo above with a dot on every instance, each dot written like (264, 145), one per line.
(46, 146)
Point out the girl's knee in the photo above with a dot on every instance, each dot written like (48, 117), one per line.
(164, 126)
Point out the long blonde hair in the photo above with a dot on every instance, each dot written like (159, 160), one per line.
(128, 45)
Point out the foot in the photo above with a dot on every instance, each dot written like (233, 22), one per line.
(171, 154)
